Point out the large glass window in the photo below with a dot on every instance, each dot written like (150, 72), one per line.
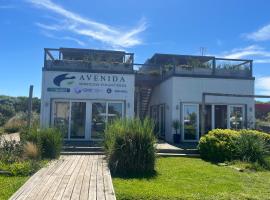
(114, 111)
(190, 115)
(103, 112)
(61, 117)
(78, 110)
(221, 116)
(207, 119)
(236, 117)
(98, 120)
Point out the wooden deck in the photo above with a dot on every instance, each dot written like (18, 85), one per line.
(71, 177)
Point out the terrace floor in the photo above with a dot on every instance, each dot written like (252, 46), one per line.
(70, 177)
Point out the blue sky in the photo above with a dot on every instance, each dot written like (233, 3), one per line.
(234, 29)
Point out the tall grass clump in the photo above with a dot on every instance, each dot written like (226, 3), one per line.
(129, 144)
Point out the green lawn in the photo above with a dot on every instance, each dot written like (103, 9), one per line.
(192, 178)
(9, 185)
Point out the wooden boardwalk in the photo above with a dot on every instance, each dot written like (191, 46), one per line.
(71, 177)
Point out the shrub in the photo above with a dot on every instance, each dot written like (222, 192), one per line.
(31, 151)
(22, 168)
(251, 147)
(50, 142)
(16, 123)
(218, 145)
(10, 151)
(129, 144)
(264, 136)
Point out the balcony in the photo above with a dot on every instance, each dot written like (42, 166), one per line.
(205, 66)
(88, 60)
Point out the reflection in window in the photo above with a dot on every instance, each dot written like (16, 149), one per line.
(98, 120)
(77, 120)
(190, 122)
(61, 117)
(114, 111)
(236, 117)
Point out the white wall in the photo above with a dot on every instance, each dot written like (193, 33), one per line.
(163, 94)
(86, 86)
(178, 90)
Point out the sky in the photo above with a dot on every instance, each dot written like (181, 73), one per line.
(228, 28)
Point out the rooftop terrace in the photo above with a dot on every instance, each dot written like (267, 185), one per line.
(70, 59)
(187, 65)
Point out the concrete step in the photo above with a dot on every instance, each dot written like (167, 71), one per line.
(82, 148)
(82, 153)
(179, 151)
(178, 155)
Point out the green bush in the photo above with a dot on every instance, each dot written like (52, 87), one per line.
(21, 168)
(10, 151)
(50, 142)
(218, 145)
(264, 136)
(251, 147)
(129, 144)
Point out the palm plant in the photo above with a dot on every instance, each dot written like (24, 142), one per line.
(176, 125)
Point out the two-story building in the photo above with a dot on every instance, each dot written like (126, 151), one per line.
(83, 89)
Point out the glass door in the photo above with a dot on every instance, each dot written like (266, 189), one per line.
(236, 117)
(162, 120)
(98, 120)
(190, 127)
(61, 117)
(77, 120)
(102, 113)
(70, 118)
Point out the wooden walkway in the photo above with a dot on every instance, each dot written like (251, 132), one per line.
(71, 177)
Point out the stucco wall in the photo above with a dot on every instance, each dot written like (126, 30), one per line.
(177, 90)
(86, 86)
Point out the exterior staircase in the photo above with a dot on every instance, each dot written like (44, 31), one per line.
(145, 97)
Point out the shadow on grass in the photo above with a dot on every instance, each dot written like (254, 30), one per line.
(148, 175)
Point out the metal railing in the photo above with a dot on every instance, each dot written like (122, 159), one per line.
(90, 60)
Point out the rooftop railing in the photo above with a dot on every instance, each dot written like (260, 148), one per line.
(204, 66)
(88, 60)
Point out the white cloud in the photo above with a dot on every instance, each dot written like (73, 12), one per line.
(261, 34)
(252, 50)
(82, 26)
(262, 85)
(79, 42)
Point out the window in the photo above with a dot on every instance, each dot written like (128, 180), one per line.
(61, 117)
(78, 111)
(190, 120)
(103, 112)
(236, 117)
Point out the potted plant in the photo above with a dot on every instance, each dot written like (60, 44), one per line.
(176, 126)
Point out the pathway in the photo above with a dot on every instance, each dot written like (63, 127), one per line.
(71, 177)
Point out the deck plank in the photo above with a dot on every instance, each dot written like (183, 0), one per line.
(86, 180)
(79, 177)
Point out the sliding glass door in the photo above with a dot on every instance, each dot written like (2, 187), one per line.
(102, 113)
(85, 119)
(236, 120)
(77, 121)
(190, 127)
(61, 117)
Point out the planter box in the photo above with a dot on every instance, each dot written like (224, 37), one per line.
(176, 138)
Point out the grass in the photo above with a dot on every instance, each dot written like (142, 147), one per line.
(193, 178)
(10, 184)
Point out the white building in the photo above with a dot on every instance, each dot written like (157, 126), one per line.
(83, 89)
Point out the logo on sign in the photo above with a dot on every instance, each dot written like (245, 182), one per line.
(109, 90)
(60, 78)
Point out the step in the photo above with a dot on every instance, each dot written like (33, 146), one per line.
(82, 153)
(82, 148)
(178, 155)
(179, 151)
